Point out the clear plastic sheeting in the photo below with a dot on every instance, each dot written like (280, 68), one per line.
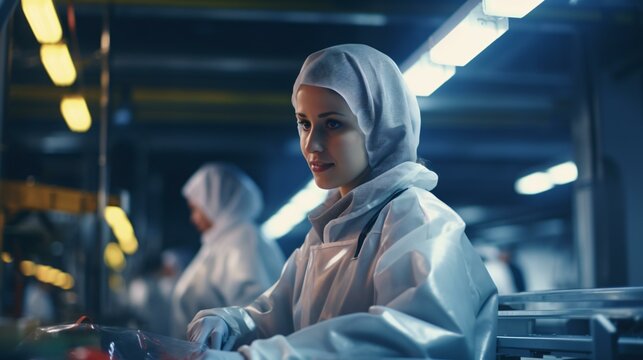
(88, 341)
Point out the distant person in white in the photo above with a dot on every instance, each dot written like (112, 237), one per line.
(38, 303)
(150, 293)
(234, 264)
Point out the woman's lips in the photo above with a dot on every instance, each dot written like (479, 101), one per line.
(318, 167)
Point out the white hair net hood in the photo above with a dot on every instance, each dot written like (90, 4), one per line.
(224, 193)
(372, 85)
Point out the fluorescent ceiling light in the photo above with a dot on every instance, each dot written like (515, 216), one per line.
(509, 8)
(294, 211)
(542, 181)
(75, 112)
(533, 184)
(465, 34)
(58, 63)
(425, 76)
(563, 173)
(43, 20)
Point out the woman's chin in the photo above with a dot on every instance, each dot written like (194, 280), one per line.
(323, 183)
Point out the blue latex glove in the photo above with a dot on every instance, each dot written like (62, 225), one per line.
(212, 331)
(221, 355)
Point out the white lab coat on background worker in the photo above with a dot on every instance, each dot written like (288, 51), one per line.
(234, 264)
(414, 286)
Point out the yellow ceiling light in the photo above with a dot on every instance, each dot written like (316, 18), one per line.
(43, 20)
(58, 63)
(60, 279)
(52, 276)
(69, 282)
(122, 229)
(28, 268)
(42, 272)
(75, 112)
(6, 257)
(113, 214)
(130, 246)
(113, 257)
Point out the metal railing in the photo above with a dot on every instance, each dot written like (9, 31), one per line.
(597, 324)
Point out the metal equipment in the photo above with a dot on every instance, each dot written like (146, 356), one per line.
(596, 324)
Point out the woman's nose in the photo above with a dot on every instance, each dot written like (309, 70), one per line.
(315, 141)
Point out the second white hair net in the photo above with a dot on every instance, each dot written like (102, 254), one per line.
(224, 193)
(372, 85)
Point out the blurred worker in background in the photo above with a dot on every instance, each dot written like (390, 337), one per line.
(506, 274)
(499, 271)
(150, 294)
(507, 256)
(38, 302)
(235, 264)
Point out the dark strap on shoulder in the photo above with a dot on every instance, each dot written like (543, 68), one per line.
(369, 225)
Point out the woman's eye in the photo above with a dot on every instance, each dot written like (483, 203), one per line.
(303, 124)
(333, 124)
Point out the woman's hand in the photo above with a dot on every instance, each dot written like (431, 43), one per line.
(212, 331)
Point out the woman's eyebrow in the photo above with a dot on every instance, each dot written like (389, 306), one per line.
(330, 113)
(322, 115)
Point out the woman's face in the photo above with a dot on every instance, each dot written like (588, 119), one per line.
(330, 139)
(198, 218)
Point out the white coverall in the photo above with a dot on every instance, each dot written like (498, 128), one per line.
(415, 289)
(234, 264)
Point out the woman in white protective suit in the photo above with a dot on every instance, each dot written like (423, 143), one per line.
(386, 270)
(234, 264)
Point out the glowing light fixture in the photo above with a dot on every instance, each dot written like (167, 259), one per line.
(75, 112)
(425, 76)
(42, 272)
(563, 173)
(28, 268)
(43, 20)
(47, 274)
(52, 275)
(544, 180)
(465, 34)
(6, 257)
(58, 63)
(69, 282)
(509, 8)
(122, 229)
(113, 257)
(534, 183)
(60, 279)
(294, 211)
